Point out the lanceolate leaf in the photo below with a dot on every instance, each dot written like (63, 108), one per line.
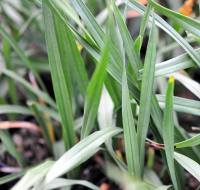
(21, 54)
(190, 165)
(57, 64)
(130, 136)
(190, 84)
(15, 109)
(145, 19)
(92, 26)
(33, 176)
(188, 23)
(182, 105)
(60, 182)
(146, 92)
(10, 146)
(80, 152)
(11, 177)
(74, 66)
(128, 42)
(94, 93)
(168, 131)
(194, 141)
(167, 28)
(29, 87)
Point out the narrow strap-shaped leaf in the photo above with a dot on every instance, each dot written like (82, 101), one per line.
(168, 29)
(182, 105)
(189, 83)
(168, 131)
(145, 19)
(194, 141)
(188, 23)
(146, 92)
(33, 176)
(74, 67)
(11, 177)
(60, 182)
(10, 146)
(190, 165)
(15, 109)
(80, 152)
(94, 93)
(40, 119)
(89, 20)
(21, 54)
(130, 136)
(128, 42)
(57, 63)
(29, 87)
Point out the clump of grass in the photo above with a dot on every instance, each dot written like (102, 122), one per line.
(122, 82)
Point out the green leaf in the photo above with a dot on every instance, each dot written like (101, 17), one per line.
(194, 141)
(94, 93)
(175, 64)
(182, 105)
(10, 146)
(133, 56)
(146, 92)
(15, 109)
(36, 91)
(57, 63)
(164, 187)
(189, 83)
(130, 136)
(169, 30)
(74, 66)
(11, 177)
(186, 22)
(60, 182)
(40, 119)
(91, 24)
(33, 176)
(105, 120)
(145, 19)
(190, 165)
(80, 152)
(168, 131)
(21, 54)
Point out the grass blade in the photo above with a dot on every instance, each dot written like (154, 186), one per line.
(94, 93)
(188, 23)
(10, 146)
(190, 165)
(130, 136)
(190, 84)
(10, 177)
(128, 42)
(15, 109)
(60, 182)
(29, 87)
(169, 30)
(91, 24)
(33, 176)
(194, 141)
(74, 66)
(168, 131)
(21, 54)
(182, 105)
(42, 123)
(80, 152)
(57, 63)
(145, 19)
(146, 92)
